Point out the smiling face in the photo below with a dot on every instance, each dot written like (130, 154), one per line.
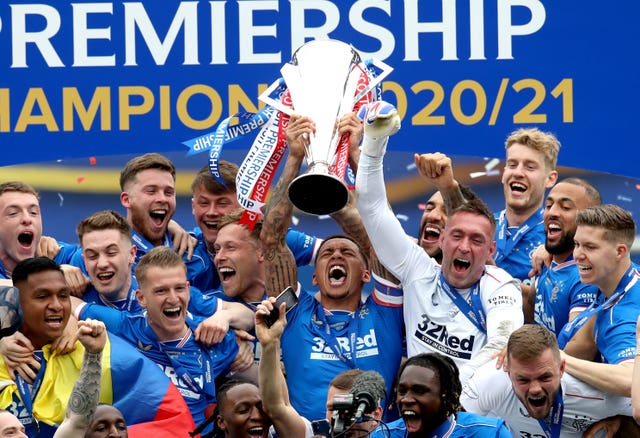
(598, 258)
(46, 306)
(150, 200)
(240, 263)
(241, 414)
(562, 204)
(107, 421)
(536, 382)
(340, 273)
(467, 244)
(419, 400)
(164, 293)
(20, 227)
(432, 223)
(208, 208)
(525, 179)
(108, 257)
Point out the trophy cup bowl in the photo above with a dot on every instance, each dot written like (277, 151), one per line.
(322, 84)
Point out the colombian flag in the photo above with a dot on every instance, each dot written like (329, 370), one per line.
(150, 403)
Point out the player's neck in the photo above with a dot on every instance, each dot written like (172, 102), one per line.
(516, 217)
(255, 293)
(561, 258)
(121, 294)
(349, 303)
(610, 284)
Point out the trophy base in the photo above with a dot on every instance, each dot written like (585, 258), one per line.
(318, 194)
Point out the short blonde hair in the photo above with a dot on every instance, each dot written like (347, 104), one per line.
(533, 138)
(158, 257)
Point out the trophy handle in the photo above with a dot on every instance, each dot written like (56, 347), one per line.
(265, 97)
(385, 70)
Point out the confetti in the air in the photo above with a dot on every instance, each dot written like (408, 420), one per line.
(80, 179)
(491, 164)
(92, 161)
(61, 199)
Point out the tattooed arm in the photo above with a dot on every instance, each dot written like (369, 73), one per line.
(86, 391)
(281, 266)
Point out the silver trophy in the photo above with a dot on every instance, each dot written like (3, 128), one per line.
(323, 83)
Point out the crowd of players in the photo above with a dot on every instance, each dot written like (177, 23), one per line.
(519, 324)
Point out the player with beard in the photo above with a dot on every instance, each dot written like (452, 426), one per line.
(149, 195)
(332, 330)
(557, 295)
(427, 395)
(462, 308)
(536, 397)
(433, 221)
(211, 201)
(530, 169)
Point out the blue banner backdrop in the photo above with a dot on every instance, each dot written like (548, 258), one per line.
(94, 78)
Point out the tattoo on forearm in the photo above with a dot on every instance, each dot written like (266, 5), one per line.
(86, 391)
(281, 266)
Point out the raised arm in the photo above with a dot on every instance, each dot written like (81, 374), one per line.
(86, 391)
(348, 218)
(273, 387)
(437, 168)
(281, 268)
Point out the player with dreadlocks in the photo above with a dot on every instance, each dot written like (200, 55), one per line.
(427, 394)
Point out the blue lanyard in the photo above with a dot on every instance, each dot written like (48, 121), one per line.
(557, 410)
(474, 311)
(125, 304)
(144, 245)
(322, 327)
(505, 245)
(628, 280)
(27, 395)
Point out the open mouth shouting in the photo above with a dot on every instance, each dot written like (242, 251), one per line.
(430, 234)
(210, 225)
(538, 406)
(554, 230)
(461, 265)
(104, 277)
(25, 239)
(337, 275)
(226, 273)
(172, 313)
(412, 420)
(257, 431)
(55, 322)
(517, 187)
(158, 216)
